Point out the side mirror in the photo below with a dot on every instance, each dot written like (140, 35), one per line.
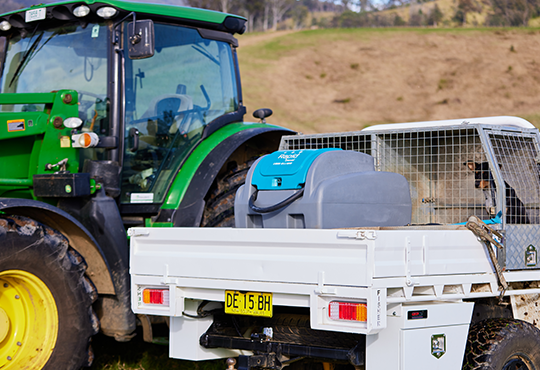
(262, 113)
(141, 39)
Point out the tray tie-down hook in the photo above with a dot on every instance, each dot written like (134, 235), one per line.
(489, 237)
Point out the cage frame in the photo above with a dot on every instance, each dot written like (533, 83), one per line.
(487, 129)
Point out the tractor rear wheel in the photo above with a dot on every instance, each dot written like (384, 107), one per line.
(46, 315)
(502, 344)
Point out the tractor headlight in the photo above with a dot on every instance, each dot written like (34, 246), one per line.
(81, 11)
(107, 12)
(5, 26)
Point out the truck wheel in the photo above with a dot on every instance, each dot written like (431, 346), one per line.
(503, 344)
(46, 315)
(219, 210)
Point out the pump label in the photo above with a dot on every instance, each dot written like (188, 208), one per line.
(35, 15)
(288, 157)
(16, 125)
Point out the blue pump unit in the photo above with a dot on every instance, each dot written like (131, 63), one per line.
(285, 170)
(323, 188)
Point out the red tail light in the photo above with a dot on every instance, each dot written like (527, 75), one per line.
(156, 296)
(347, 311)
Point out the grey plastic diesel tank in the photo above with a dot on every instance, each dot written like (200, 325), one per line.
(324, 188)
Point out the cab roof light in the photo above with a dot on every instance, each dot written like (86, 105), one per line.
(81, 11)
(5, 26)
(156, 296)
(349, 311)
(107, 12)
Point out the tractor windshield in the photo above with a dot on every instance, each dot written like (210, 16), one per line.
(68, 57)
(170, 98)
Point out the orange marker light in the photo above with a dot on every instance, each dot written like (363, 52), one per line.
(85, 140)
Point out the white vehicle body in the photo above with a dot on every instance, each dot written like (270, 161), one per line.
(394, 271)
(419, 283)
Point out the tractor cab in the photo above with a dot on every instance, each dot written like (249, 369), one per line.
(149, 86)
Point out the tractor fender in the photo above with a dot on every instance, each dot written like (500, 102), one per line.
(190, 210)
(79, 237)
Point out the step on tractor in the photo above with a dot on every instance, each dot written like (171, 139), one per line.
(112, 115)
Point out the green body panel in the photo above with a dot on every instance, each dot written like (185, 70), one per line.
(185, 175)
(29, 140)
(158, 9)
(148, 223)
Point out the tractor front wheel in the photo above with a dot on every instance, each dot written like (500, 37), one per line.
(46, 315)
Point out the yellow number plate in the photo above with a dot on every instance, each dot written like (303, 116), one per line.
(250, 303)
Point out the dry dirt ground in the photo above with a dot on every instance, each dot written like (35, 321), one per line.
(342, 80)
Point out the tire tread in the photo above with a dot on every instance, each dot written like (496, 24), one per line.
(487, 338)
(60, 255)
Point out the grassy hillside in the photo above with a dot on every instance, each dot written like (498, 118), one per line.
(345, 79)
(448, 9)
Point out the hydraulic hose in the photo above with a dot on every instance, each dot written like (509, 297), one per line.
(275, 207)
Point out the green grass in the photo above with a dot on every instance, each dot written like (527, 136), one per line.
(276, 48)
(532, 118)
(138, 355)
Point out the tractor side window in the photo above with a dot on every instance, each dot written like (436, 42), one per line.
(68, 57)
(170, 98)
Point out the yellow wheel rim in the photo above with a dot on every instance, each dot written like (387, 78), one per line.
(28, 321)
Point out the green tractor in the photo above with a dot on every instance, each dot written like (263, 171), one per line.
(112, 114)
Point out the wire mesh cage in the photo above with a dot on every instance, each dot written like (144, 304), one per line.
(518, 161)
(453, 171)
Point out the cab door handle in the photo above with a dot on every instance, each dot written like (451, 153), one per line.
(134, 139)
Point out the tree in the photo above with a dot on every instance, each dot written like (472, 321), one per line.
(416, 19)
(312, 5)
(435, 16)
(512, 12)
(299, 14)
(279, 8)
(204, 4)
(398, 21)
(465, 7)
(225, 6)
(266, 15)
(350, 19)
(365, 5)
(252, 9)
